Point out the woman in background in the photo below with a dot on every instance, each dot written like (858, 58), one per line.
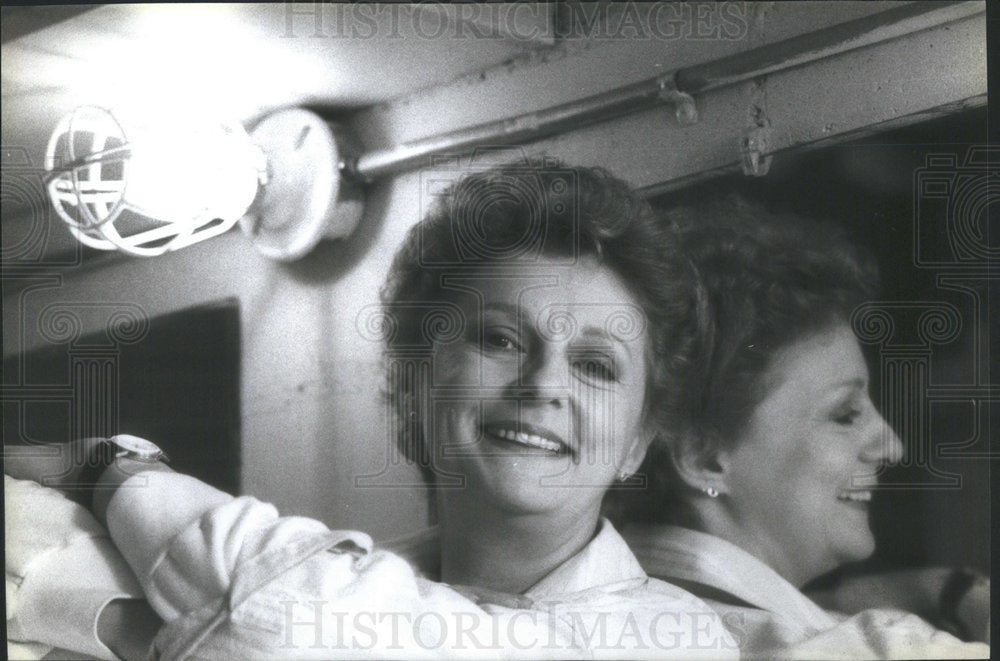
(762, 481)
(527, 321)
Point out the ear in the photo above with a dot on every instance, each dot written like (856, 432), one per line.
(701, 465)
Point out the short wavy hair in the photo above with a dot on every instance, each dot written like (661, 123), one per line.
(765, 280)
(509, 216)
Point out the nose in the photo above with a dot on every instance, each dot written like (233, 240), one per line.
(882, 444)
(544, 380)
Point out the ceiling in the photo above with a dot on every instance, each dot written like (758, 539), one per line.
(238, 60)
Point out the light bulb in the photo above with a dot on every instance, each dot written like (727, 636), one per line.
(193, 178)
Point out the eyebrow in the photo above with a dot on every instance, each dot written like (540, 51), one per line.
(856, 383)
(502, 307)
(593, 331)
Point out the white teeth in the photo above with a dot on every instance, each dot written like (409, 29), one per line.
(856, 496)
(528, 439)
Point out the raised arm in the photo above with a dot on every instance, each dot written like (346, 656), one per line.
(954, 599)
(231, 578)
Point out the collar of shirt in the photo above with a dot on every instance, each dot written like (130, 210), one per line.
(675, 553)
(605, 562)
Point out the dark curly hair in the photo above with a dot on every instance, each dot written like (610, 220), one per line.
(765, 280)
(508, 217)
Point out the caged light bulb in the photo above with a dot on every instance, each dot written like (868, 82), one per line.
(146, 185)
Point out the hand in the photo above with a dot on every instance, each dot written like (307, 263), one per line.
(56, 465)
(60, 466)
(916, 590)
(113, 477)
(973, 610)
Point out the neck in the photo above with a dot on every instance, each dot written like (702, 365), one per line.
(716, 519)
(498, 550)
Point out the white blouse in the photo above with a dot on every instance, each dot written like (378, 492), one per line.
(771, 618)
(234, 580)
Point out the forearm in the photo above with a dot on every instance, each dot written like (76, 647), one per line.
(162, 522)
(126, 626)
(948, 597)
(144, 512)
(114, 477)
(912, 590)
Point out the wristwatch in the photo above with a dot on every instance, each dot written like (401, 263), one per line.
(109, 450)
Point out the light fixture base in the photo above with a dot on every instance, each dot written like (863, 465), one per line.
(305, 198)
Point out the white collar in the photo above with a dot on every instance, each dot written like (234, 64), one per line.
(605, 562)
(675, 553)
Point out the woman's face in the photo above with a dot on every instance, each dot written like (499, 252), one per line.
(800, 476)
(539, 405)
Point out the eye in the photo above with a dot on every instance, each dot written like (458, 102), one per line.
(499, 339)
(847, 417)
(596, 367)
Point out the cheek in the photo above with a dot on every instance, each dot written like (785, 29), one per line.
(798, 447)
(604, 405)
(611, 419)
(629, 411)
(826, 458)
(815, 472)
(460, 366)
(774, 469)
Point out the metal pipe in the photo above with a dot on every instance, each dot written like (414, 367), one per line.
(834, 40)
(725, 71)
(517, 129)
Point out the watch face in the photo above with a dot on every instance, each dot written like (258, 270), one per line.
(139, 446)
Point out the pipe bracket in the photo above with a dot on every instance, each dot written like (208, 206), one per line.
(685, 109)
(755, 143)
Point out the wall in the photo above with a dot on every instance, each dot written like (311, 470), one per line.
(312, 420)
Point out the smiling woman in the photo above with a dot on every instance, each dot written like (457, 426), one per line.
(538, 405)
(801, 473)
(537, 424)
(763, 478)
(527, 320)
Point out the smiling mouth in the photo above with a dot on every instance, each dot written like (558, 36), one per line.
(859, 496)
(527, 436)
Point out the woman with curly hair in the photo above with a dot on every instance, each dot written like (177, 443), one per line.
(527, 322)
(762, 477)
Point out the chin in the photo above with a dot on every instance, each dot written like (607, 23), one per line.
(859, 546)
(509, 486)
(517, 499)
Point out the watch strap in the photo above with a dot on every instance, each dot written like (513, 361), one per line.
(101, 457)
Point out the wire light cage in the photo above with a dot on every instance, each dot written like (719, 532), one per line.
(151, 185)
